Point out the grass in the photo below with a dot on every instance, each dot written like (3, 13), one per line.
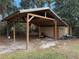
(41, 54)
(45, 53)
(75, 48)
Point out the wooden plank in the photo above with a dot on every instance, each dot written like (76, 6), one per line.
(40, 16)
(27, 32)
(31, 18)
(39, 31)
(7, 29)
(14, 37)
(55, 30)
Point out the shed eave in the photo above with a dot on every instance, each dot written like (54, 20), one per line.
(32, 10)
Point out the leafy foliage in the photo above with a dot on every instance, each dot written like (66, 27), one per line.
(7, 7)
(35, 3)
(69, 11)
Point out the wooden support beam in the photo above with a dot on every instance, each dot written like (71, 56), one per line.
(40, 16)
(39, 31)
(27, 32)
(7, 29)
(14, 31)
(55, 30)
(31, 18)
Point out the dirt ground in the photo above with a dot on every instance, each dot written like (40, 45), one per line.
(64, 46)
(7, 45)
(69, 48)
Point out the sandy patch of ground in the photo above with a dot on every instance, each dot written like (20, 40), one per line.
(8, 45)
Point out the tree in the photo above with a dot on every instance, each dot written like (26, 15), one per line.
(7, 7)
(69, 11)
(35, 3)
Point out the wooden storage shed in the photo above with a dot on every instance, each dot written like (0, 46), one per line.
(46, 19)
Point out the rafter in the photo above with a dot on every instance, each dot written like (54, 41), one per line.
(40, 16)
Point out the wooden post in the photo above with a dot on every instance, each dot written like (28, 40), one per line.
(55, 30)
(39, 31)
(7, 29)
(27, 32)
(70, 31)
(14, 33)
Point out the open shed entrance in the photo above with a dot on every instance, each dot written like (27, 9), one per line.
(44, 25)
(43, 18)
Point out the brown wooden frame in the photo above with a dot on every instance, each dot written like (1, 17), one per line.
(27, 26)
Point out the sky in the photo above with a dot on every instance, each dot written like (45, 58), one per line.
(17, 2)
